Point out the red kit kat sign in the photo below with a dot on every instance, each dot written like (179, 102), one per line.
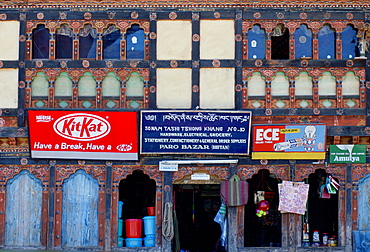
(83, 135)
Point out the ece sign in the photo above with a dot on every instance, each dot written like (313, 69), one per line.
(83, 135)
(294, 141)
(204, 132)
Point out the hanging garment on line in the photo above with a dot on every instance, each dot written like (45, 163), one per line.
(293, 197)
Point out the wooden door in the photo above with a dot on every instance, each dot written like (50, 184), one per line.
(23, 210)
(80, 211)
(363, 203)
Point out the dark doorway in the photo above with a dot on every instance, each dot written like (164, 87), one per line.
(196, 207)
(262, 231)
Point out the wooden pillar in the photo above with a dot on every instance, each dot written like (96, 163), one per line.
(232, 221)
(52, 44)
(268, 92)
(338, 44)
(167, 198)
(268, 45)
(315, 44)
(51, 211)
(347, 241)
(75, 48)
(101, 215)
(99, 47)
(108, 207)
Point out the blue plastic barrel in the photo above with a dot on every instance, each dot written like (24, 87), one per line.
(149, 241)
(134, 242)
(149, 225)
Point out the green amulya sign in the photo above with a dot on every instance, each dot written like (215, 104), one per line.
(347, 153)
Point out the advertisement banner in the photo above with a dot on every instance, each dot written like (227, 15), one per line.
(293, 141)
(348, 153)
(203, 132)
(83, 135)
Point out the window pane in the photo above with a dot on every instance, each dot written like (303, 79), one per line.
(327, 85)
(351, 84)
(40, 85)
(326, 43)
(88, 37)
(86, 85)
(280, 85)
(63, 85)
(303, 85)
(256, 43)
(111, 85)
(256, 85)
(135, 85)
(111, 43)
(64, 42)
(349, 42)
(303, 42)
(135, 42)
(40, 43)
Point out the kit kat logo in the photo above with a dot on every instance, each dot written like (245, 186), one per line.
(82, 127)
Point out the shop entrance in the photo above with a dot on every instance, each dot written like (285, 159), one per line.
(196, 206)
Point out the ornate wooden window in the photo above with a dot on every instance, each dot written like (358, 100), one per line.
(63, 42)
(40, 42)
(111, 42)
(349, 43)
(256, 43)
(280, 42)
(95, 88)
(303, 42)
(326, 42)
(135, 42)
(304, 88)
(96, 39)
(87, 42)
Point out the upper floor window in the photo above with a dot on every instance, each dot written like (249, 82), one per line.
(280, 42)
(135, 42)
(40, 42)
(256, 43)
(111, 42)
(303, 42)
(326, 43)
(88, 37)
(64, 36)
(349, 43)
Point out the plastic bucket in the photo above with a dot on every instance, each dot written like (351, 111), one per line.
(120, 242)
(149, 241)
(151, 211)
(134, 242)
(133, 228)
(120, 227)
(120, 206)
(149, 225)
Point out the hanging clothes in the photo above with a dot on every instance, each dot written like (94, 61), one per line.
(293, 197)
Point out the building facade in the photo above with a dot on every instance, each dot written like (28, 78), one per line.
(284, 66)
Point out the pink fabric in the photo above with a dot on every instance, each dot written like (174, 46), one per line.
(293, 197)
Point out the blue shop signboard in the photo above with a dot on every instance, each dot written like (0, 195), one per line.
(195, 132)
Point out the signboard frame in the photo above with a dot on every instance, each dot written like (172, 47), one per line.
(272, 141)
(185, 118)
(344, 152)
